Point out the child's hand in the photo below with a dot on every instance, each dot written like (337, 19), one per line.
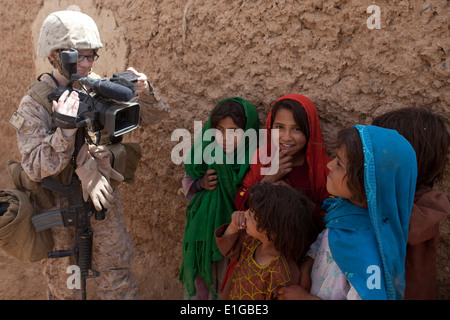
(238, 219)
(295, 292)
(238, 222)
(285, 164)
(292, 292)
(305, 272)
(209, 181)
(284, 167)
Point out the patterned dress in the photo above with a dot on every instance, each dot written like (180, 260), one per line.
(255, 282)
(249, 280)
(328, 281)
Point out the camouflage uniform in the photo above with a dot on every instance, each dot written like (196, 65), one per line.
(49, 153)
(46, 153)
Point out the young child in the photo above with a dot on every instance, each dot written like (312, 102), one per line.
(361, 253)
(303, 157)
(266, 241)
(212, 188)
(429, 136)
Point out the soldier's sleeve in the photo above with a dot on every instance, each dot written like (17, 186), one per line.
(44, 153)
(153, 107)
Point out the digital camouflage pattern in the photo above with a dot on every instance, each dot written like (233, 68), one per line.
(66, 30)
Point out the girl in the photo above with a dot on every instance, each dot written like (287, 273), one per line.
(427, 132)
(276, 233)
(361, 253)
(213, 187)
(303, 157)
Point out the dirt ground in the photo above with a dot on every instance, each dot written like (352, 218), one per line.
(197, 52)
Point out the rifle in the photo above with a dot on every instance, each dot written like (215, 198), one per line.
(73, 211)
(95, 114)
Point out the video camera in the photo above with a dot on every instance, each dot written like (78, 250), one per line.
(108, 108)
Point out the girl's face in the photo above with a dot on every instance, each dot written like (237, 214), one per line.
(292, 140)
(337, 178)
(227, 135)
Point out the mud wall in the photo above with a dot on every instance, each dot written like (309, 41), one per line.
(198, 52)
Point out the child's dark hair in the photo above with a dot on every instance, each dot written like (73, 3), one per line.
(285, 214)
(350, 139)
(300, 116)
(229, 108)
(428, 134)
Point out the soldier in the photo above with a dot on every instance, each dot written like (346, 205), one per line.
(48, 152)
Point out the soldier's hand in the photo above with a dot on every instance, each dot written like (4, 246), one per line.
(67, 104)
(93, 183)
(141, 84)
(101, 192)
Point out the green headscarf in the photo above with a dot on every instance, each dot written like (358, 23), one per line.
(208, 210)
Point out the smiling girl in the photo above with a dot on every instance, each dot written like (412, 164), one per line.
(303, 157)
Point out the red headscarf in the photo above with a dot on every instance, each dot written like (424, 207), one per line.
(316, 156)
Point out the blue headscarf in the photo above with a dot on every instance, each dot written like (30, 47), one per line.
(369, 244)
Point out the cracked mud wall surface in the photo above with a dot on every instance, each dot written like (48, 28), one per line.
(198, 52)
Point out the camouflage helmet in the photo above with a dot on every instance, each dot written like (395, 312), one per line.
(66, 30)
